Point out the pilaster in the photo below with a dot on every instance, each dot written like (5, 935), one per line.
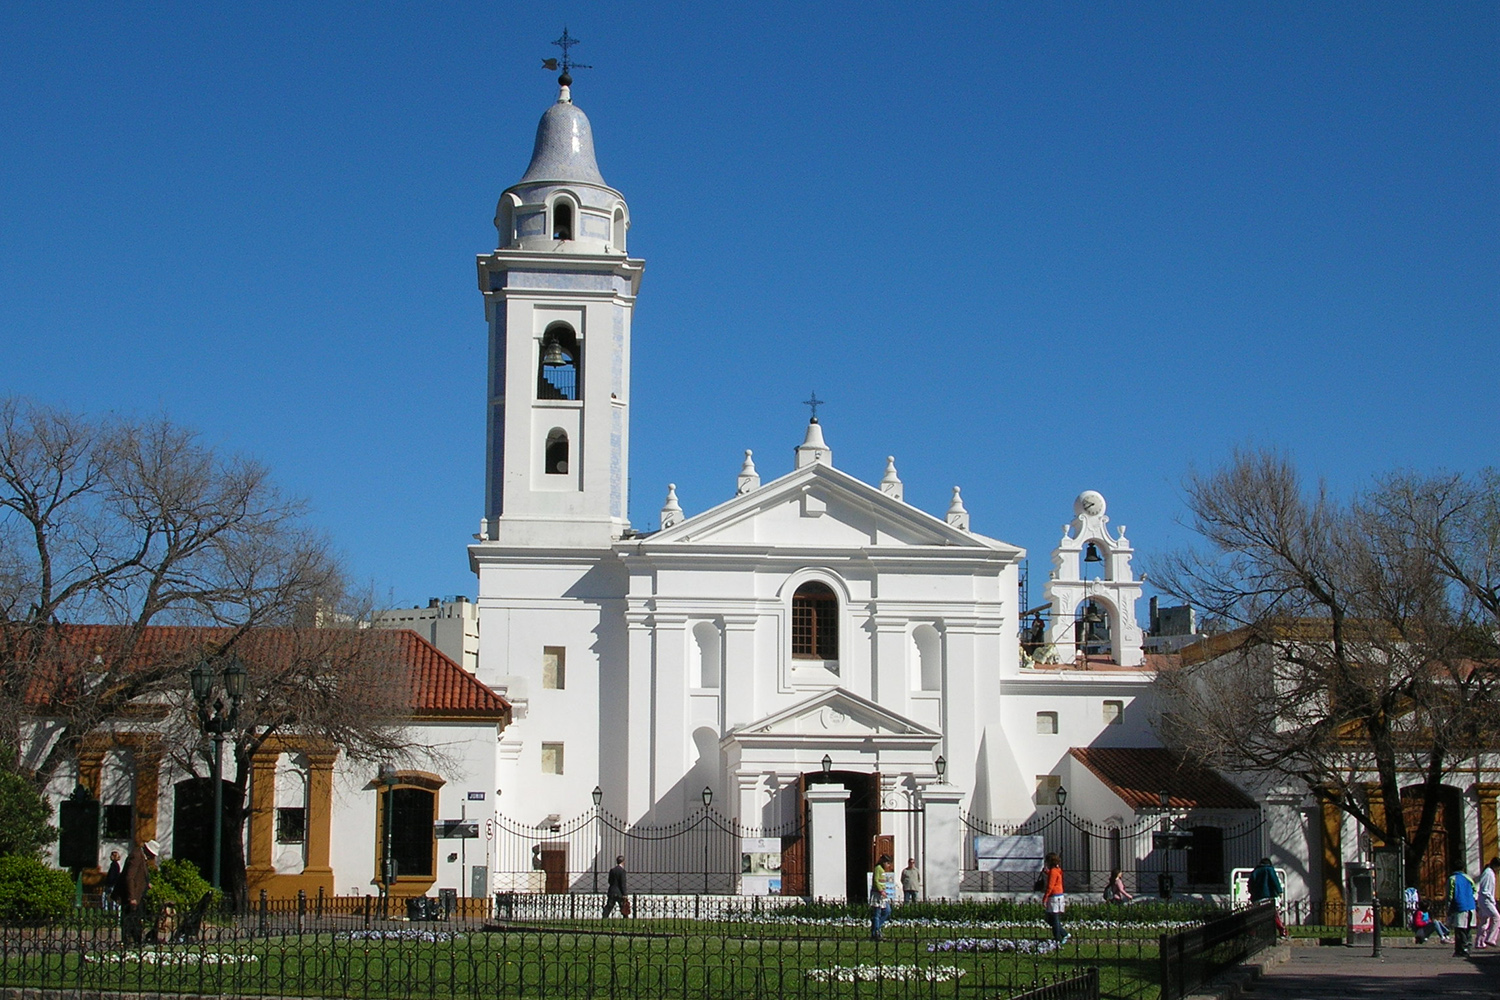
(892, 680)
(942, 841)
(1331, 830)
(1487, 796)
(826, 841)
(669, 710)
(739, 670)
(638, 792)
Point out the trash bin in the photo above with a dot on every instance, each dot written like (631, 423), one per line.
(421, 908)
(1164, 885)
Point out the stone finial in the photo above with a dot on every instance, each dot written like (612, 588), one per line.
(749, 478)
(890, 485)
(813, 448)
(958, 515)
(671, 510)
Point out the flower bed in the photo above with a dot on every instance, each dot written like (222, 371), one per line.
(171, 958)
(1023, 946)
(899, 973)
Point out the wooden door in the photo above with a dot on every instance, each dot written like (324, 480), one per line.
(883, 845)
(1442, 849)
(794, 848)
(554, 858)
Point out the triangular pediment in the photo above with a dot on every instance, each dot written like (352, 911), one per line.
(818, 506)
(835, 714)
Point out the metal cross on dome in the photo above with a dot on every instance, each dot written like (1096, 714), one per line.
(566, 63)
(814, 403)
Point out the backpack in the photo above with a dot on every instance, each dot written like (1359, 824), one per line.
(1460, 892)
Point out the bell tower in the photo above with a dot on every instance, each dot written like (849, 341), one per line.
(559, 291)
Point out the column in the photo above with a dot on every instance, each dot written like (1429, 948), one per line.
(826, 856)
(669, 717)
(748, 797)
(1472, 819)
(892, 680)
(1333, 851)
(942, 841)
(259, 865)
(960, 737)
(1488, 796)
(637, 718)
(320, 818)
(738, 678)
(147, 788)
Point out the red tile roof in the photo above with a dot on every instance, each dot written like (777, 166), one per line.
(440, 688)
(1138, 775)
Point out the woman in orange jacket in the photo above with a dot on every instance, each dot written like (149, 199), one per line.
(1053, 901)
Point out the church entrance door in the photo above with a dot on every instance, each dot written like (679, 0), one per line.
(861, 829)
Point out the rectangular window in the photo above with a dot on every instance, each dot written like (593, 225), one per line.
(1046, 723)
(1046, 789)
(412, 837)
(552, 758)
(291, 825)
(554, 668)
(1114, 713)
(117, 822)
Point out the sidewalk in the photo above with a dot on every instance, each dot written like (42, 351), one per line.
(1405, 971)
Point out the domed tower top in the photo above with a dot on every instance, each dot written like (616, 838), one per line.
(564, 149)
(561, 204)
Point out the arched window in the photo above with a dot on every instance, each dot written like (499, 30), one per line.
(929, 658)
(562, 219)
(706, 639)
(815, 622)
(505, 220)
(556, 459)
(617, 231)
(557, 370)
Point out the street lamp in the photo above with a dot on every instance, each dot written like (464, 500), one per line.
(1062, 796)
(941, 766)
(827, 766)
(708, 799)
(215, 720)
(386, 777)
(598, 796)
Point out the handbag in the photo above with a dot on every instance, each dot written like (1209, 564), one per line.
(624, 906)
(1040, 885)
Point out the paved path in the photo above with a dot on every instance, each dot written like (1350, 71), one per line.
(1405, 971)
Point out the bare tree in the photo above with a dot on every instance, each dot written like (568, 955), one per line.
(324, 684)
(1363, 635)
(128, 524)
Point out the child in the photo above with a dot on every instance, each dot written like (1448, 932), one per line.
(1423, 923)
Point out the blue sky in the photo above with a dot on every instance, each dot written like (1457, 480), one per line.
(1026, 248)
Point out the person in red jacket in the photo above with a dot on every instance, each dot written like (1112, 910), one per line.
(1053, 901)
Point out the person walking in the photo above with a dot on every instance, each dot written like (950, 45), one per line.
(1265, 885)
(130, 891)
(911, 881)
(1115, 892)
(1053, 901)
(1462, 899)
(1487, 934)
(110, 878)
(882, 895)
(616, 895)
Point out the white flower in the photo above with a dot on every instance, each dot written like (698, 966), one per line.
(870, 973)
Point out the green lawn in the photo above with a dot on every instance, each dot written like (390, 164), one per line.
(676, 958)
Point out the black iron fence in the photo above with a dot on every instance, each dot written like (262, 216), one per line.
(1191, 958)
(702, 854)
(684, 948)
(1157, 855)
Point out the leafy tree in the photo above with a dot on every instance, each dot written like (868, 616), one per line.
(24, 829)
(1362, 640)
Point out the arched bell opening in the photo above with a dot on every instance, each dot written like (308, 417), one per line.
(1093, 627)
(562, 219)
(557, 369)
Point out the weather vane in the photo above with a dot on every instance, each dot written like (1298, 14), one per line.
(814, 402)
(565, 64)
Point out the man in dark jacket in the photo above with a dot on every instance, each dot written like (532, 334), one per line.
(1265, 885)
(130, 891)
(616, 895)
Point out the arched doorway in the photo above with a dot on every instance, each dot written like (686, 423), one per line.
(193, 826)
(863, 842)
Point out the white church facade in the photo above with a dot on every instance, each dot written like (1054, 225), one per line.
(811, 629)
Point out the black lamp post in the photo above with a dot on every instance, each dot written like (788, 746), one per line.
(216, 719)
(708, 800)
(941, 766)
(598, 796)
(386, 776)
(1062, 796)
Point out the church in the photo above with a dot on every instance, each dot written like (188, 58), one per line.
(811, 632)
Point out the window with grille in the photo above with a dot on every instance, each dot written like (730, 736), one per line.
(815, 623)
(118, 822)
(291, 825)
(412, 840)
